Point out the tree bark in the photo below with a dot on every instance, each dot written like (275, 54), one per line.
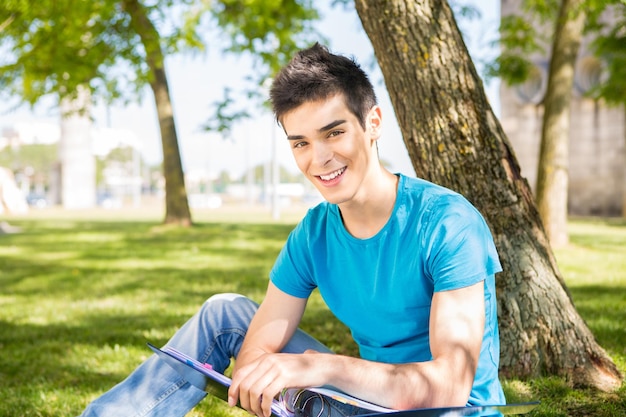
(552, 173)
(176, 203)
(454, 139)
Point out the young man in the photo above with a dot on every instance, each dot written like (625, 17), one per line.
(407, 265)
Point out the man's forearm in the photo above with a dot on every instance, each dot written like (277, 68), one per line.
(398, 386)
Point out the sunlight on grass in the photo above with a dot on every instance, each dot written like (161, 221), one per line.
(594, 268)
(80, 297)
(11, 251)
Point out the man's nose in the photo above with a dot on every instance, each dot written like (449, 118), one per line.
(322, 154)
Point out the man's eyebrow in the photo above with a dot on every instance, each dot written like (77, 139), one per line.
(326, 128)
(330, 125)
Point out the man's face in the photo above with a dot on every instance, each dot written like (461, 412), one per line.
(331, 148)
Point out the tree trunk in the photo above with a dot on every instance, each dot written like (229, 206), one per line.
(176, 203)
(552, 174)
(454, 139)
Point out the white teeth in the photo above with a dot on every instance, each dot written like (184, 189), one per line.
(332, 175)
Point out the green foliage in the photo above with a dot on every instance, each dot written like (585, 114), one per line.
(610, 46)
(520, 39)
(40, 158)
(81, 297)
(270, 31)
(54, 46)
(226, 114)
(544, 10)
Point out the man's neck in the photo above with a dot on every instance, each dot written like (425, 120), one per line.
(366, 215)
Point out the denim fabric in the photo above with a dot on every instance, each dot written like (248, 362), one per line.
(213, 335)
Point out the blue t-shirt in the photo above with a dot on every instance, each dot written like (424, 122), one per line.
(382, 287)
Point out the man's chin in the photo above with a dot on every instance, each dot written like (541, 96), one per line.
(332, 198)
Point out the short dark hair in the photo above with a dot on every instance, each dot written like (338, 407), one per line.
(317, 74)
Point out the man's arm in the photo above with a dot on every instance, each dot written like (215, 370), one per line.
(456, 327)
(456, 332)
(254, 375)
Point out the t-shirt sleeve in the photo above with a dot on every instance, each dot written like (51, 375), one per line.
(458, 245)
(293, 270)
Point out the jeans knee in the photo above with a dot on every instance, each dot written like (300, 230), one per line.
(227, 296)
(229, 304)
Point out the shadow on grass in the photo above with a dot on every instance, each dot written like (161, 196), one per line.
(323, 325)
(104, 257)
(79, 300)
(603, 309)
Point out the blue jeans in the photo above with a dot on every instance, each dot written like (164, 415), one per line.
(213, 335)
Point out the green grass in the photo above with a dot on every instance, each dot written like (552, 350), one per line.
(81, 293)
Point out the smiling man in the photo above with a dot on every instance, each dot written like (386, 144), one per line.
(407, 265)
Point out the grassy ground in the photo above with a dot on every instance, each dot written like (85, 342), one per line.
(81, 293)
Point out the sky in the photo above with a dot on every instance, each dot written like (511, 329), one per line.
(196, 82)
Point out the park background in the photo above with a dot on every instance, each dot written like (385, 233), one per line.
(83, 291)
(197, 81)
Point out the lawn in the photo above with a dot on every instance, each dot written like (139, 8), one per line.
(81, 294)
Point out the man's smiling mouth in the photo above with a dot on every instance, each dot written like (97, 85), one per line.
(332, 175)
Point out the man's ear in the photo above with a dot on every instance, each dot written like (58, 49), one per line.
(374, 122)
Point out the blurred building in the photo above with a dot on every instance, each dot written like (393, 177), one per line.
(72, 182)
(597, 158)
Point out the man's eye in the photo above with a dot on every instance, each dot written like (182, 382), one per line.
(334, 133)
(299, 144)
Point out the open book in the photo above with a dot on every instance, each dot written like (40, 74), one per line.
(204, 377)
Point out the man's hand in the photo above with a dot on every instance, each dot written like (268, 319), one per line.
(260, 381)
(260, 373)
